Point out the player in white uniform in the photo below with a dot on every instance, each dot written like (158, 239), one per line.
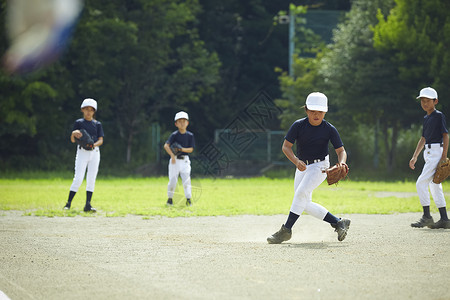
(86, 158)
(312, 135)
(434, 141)
(180, 165)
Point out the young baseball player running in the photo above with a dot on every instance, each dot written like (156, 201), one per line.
(180, 165)
(312, 135)
(88, 157)
(435, 140)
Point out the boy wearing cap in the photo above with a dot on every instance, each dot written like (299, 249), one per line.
(312, 135)
(86, 158)
(180, 165)
(435, 140)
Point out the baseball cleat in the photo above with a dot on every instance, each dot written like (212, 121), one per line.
(423, 222)
(341, 228)
(188, 202)
(440, 224)
(169, 202)
(67, 207)
(89, 208)
(282, 235)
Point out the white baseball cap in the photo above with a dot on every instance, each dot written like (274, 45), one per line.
(181, 115)
(89, 102)
(317, 101)
(428, 92)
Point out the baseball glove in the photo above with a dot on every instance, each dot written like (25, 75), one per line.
(336, 173)
(86, 141)
(176, 148)
(442, 171)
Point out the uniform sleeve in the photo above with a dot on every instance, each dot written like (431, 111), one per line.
(100, 132)
(335, 138)
(444, 125)
(292, 133)
(76, 126)
(170, 139)
(193, 141)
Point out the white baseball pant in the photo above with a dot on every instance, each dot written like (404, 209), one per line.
(305, 183)
(182, 168)
(432, 157)
(86, 159)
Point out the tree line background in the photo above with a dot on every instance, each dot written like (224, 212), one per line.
(144, 60)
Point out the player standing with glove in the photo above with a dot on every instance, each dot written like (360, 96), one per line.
(179, 163)
(88, 134)
(312, 135)
(435, 140)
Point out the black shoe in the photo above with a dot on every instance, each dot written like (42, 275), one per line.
(282, 235)
(169, 202)
(188, 202)
(423, 222)
(67, 207)
(89, 208)
(440, 224)
(341, 228)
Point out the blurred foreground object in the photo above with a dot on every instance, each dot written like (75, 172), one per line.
(38, 32)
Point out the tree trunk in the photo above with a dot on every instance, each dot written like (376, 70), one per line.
(390, 145)
(392, 155)
(376, 157)
(129, 142)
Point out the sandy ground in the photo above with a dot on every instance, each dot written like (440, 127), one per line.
(220, 258)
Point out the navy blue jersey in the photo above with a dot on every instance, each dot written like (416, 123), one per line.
(312, 141)
(433, 127)
(186, 140)
(94, 128)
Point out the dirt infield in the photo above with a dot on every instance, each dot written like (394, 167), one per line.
(220, 258)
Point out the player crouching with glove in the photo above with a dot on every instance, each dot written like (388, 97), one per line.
(312, 135)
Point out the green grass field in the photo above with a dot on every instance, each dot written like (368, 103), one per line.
(211, 197)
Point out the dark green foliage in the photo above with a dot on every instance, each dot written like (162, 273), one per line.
(135, 58)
